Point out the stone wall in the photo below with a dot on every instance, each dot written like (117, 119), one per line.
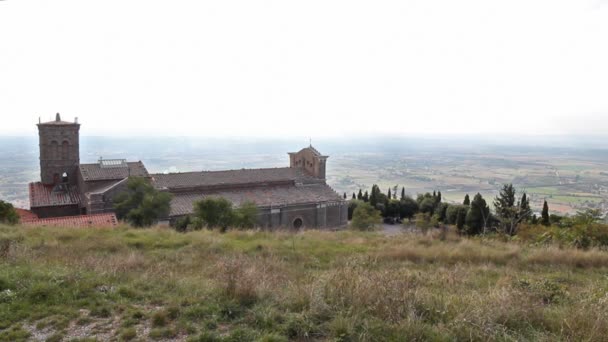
(59, 152)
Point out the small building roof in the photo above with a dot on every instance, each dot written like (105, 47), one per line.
(182, 204)
(100, 171)
(26, 215)
(42, 195)
(94, 220)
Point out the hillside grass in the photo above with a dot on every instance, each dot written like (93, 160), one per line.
(157, 284)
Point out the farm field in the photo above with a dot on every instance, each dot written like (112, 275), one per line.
(569, 178)
(156, 284)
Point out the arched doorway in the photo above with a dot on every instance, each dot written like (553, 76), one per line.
(298, 223)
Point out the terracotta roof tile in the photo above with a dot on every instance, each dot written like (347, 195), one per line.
(94, 220)
(94, 172)
(47, 196)
(26, 215)
(186, 180)
(182, 204)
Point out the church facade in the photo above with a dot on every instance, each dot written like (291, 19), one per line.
(290, 197)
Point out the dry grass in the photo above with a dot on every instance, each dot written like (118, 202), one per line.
(344, 286)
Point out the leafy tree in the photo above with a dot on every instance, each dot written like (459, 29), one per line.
(509, 213)
(467, 200)
(408, 207)
(182, 224)
(141, 204)
(441, 211)
(365, 217)
(246, 216)
(427, 205)
(215, 212)
(393, 208)
(424, 222)
(545, 221)
(8, 214)
(588, 216)
(477, 216)
(451, 213)
(352, 205)
(374, 196)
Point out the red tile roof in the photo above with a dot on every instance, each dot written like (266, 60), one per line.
(182, 204)
(228, 178)
(26, 215)
(94, 220)
(48, 196)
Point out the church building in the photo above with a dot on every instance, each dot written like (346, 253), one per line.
(288, 197)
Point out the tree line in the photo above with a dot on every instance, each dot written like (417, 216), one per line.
(471, 217)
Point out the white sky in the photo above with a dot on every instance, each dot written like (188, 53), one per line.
(305, 68)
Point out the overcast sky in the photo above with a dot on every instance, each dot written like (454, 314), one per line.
(305, 68)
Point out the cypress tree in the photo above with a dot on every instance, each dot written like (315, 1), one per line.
(403, 193)
(545, 215)
(389, 194)
(360, 195)
(438, 196)
(460, 219)
(366, 197)
(524, 208)
(477, 216)
(354, 196)
(467, 200)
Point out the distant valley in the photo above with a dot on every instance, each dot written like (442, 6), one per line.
(570, 178)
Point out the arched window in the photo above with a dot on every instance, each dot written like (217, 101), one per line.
(54, 150)
(65, 150)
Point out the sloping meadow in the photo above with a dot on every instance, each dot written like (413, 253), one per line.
(129, 284)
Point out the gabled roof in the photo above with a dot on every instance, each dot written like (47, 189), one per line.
(182, 204)
(96, 172)
(94, 220)
(42, 195)
(243, 177)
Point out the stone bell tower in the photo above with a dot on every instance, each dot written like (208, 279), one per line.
(59, 151)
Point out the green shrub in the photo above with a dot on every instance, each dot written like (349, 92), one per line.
(159, 319)
(272, 337)
(101, 312)
(128, 334)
